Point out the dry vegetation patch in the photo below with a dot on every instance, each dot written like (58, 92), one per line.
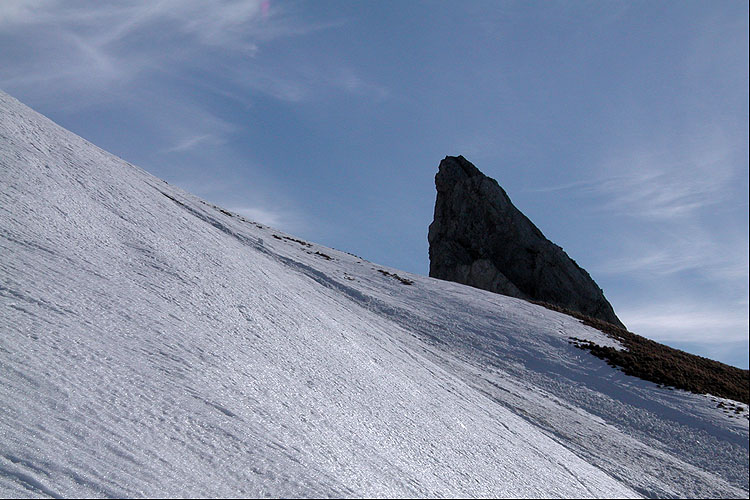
(403, 280)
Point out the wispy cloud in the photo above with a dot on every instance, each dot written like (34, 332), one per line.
(689, 248)
(668, 183)
(348, 80)
(107, 42)
(116, 51)
(189, 143)
(672, 200)
(220, 22)
(20, 11)
(305, 82)
(689, 321)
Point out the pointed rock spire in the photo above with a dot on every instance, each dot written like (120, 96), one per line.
(479, 238)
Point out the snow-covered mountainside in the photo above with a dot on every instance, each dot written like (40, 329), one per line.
(152, 344)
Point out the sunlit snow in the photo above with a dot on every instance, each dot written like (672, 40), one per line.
(152, 344)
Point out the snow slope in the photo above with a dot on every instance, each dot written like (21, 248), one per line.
(152, 344)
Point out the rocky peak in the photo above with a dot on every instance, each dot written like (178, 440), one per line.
(479, 238)
(454, 169)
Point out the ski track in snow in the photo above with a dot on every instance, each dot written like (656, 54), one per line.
(152, 344)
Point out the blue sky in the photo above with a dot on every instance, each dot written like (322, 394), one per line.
(619, 128)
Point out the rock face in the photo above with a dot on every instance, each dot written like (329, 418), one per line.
(480, 239)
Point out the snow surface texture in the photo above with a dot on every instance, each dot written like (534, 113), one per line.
(152, 344)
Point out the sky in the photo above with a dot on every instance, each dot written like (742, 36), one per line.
(619, 128)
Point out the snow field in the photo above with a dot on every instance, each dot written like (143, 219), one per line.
(152, 344)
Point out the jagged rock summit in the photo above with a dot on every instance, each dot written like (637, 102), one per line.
(479, 238)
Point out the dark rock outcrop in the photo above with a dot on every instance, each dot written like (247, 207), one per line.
(480, 239)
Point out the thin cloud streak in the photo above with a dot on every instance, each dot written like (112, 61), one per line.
(669, 193)
(112, 33)
(93, 51)
(104, 37)
(662, 254)
(652, 190)
(689, 322)
(191, 142)
(217, 23)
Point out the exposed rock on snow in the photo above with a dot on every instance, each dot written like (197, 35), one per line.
(479, 238)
